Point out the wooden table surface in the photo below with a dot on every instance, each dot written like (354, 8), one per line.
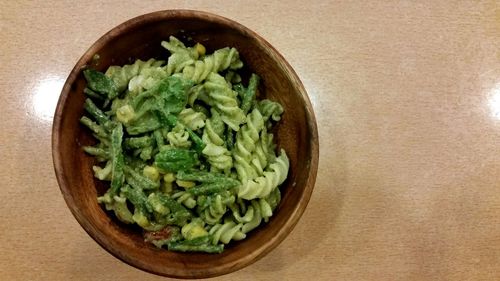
(407, 99)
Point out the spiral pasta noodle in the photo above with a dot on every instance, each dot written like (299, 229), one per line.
(220, 60)
(179, 137)
(185, 198)
(263, 152)
(270, 109)
(121, 75)
(246, 140)
(224, 99)
(262, 186)
(252, 214)
(226, 232)
(218, 156)
(216, 208)
(192, 119)
(180, 57)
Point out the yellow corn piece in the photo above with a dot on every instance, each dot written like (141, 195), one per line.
(190, 231)
(169, 177)
(151, 173)
(185, 184)
(166, 187)
(200, 49)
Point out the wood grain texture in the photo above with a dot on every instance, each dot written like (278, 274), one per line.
(140, 38)
(404, 94)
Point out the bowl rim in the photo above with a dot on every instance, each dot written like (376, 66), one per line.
(59, 169)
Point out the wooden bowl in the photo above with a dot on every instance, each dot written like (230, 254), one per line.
(140, 38)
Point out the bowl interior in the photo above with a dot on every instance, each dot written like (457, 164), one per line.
(140, 38)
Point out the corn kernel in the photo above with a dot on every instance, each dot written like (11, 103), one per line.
(151, 173)
(190, 231)
(200, 49)
(185, 184)
(169, 177)
(167, 187)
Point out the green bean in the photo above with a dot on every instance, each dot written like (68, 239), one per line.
(159, 140)
(199, 145)
(249, 95)
(98, 115)
(229, 140)
(139, 181)
(94, 127)
(185, 246)
(200, 176)
(215, 187)
(105, 141)
(99, 82)
(117, 176)
(138, 142)
(133, 182)
(97, 151)
(137, 198)
(93, 94)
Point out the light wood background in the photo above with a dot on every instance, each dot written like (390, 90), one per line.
(407, 99)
